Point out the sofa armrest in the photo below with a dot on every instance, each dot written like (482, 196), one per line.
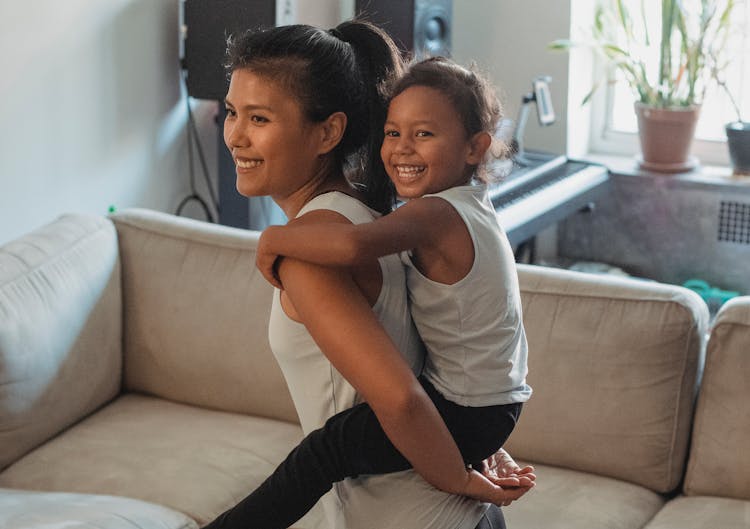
(613, 363)
(196, 315)
(719, 463)
(60, 316)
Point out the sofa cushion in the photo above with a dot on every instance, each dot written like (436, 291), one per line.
(719, 457)
(60, 328)
(51, 510)
(193, 460)
(565, 499)
(195, 339)
(702, 512)
(613, 363)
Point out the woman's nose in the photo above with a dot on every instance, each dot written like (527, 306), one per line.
(235, 134)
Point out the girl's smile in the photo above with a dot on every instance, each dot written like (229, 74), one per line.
(426, 148)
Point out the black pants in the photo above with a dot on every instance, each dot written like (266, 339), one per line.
(352, 443)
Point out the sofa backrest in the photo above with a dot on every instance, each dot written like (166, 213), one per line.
(613, 364)
(196, 315)
(719, 463)
(60, 329)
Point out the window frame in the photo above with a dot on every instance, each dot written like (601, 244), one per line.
(604, 139)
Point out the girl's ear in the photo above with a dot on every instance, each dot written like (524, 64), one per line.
(478, 145)
(332, 130)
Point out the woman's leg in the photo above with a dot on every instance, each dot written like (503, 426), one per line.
(492, 519)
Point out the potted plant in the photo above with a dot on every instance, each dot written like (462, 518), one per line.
(667, 98)
(738, 138)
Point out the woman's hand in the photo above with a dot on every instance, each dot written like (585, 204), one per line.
(265, 258)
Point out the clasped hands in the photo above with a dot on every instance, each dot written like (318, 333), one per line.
(501, 482)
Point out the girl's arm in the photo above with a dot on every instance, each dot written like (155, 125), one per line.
(419, 221)
(342, 323)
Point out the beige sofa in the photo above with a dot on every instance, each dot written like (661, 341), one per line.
(137, 389)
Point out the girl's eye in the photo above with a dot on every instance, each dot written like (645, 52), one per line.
(423, 133)
(391, 133)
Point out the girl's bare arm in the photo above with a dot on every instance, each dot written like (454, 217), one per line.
(419, 221)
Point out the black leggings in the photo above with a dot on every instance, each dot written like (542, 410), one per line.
(352, 443)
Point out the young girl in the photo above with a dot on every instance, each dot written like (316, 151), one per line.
(462, 283)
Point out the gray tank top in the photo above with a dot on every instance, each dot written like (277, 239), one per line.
(473, 329)
(401, 500)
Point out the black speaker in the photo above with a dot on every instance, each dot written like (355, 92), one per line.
(421, 28)
(208, 23)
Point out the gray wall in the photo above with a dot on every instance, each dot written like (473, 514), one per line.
(92, 113)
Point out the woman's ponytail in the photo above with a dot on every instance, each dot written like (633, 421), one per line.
(379, 63)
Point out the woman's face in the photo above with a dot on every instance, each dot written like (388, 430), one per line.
(271, 141)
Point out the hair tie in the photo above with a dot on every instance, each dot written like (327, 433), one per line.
(336, 33)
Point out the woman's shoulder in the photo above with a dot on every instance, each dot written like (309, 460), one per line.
(348, 206)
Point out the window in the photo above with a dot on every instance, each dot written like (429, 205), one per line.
(613, 127)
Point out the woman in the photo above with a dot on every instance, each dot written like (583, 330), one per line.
(303, 104)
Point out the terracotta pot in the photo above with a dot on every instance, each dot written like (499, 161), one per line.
(738, 141)
(666, 135)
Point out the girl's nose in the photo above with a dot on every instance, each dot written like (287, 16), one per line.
(404, 144)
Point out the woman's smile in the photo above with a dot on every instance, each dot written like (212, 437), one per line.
(243, 163)
(268, 136)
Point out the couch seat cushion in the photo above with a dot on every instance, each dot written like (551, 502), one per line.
(57, 510)
(700, 512)
(194, 460)
(568, 499)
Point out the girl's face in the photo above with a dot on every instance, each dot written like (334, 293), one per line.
(272, 143)
(426, 148)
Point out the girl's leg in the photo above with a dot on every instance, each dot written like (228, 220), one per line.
(349, 444)
(479, 431)
(352, 443)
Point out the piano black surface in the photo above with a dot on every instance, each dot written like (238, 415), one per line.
(546, 189)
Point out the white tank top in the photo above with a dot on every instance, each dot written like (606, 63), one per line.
(401, 500)
(473, 329)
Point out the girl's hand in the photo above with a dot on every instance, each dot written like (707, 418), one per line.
(483, 489)
(503, 471)
(265, 260)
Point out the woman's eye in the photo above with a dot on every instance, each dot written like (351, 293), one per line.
(423, 133)
(391, 133)
(230, 112)
(258, 119)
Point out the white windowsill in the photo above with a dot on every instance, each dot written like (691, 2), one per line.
(713, 175)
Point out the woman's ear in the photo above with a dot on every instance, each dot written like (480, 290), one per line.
(478, 145)
(332, 130)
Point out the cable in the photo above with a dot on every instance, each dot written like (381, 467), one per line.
(192, 136)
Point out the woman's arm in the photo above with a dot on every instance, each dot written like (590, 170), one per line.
(420, 221)
(345, 328)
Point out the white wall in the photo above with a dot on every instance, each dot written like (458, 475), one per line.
(90, 109)
(92, 113)
(508, 39)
